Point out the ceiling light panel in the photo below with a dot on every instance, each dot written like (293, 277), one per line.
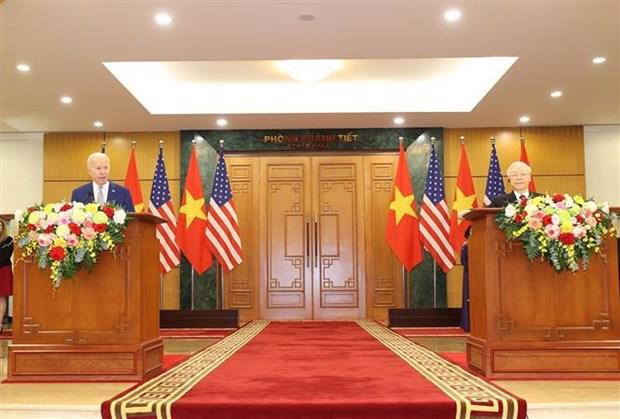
(360, 86)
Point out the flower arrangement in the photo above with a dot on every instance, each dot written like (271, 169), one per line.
(561, 229)
(69, 236)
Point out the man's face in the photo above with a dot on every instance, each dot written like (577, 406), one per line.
(520, 179)
(99, 170)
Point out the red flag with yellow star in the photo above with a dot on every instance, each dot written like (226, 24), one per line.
(192, 221)
(525, 159)
(132, 182)
(402, 230)
(464, 200)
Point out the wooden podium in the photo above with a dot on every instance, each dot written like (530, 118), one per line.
(527, 321)
(99, 326)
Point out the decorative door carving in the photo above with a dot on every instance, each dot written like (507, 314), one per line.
(311, 238)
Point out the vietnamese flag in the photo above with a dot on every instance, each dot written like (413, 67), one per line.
(402, 230)
(132, 182)
(525, 159)
(192, 222)
(464, 200)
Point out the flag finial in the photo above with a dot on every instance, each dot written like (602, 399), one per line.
(492, 139)
(161, 144)
(400, 140)
(432, 140)
(103, 144)
(462, 139)
(221, 144)
(133, 144)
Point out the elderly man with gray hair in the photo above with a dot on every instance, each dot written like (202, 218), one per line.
(519, 176)
(101, 190)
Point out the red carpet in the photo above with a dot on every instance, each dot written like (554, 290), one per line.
(6, 334)
(315, 370)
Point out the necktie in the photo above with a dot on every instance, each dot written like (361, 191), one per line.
(100, 195)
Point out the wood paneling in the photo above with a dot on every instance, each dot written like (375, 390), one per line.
(384, 274)
(64, 168)
(241, 285)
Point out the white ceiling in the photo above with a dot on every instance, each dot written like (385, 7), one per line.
(66, 42)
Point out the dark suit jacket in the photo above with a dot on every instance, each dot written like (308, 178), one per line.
(116, 193)
(501, 201)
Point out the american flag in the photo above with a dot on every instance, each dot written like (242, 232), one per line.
(495, 182)
(222, 225)
(160, 204)
(435, 217)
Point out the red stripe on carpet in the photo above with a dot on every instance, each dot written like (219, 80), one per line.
(314, 370)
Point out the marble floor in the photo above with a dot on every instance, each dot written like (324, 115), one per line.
(546, 399)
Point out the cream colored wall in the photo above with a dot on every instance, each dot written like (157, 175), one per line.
(602, 155)
(21, 170)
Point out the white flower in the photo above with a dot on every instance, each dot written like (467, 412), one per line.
(510, 210)
(119, 216)
(18, 215)
(568, 201)
(555, 219)
(605, 207)
(590, 206)
(530, 208)
(78, 205)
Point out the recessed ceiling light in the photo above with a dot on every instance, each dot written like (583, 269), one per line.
(599, 60)
(306, 18)
(452, 15)
(98, 124)
(399, 120)
(163, 19)
(524, 119)
(221, 122)
(66, 100)
(556, 93)
(24, 68)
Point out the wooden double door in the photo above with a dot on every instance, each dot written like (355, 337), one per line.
(311, 237)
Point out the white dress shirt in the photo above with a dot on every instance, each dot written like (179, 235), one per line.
(104, 190)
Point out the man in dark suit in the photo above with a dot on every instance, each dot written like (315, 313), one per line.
(519, 176)
(101, 190)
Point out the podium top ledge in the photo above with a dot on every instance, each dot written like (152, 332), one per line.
(477, 213)
(147, 218)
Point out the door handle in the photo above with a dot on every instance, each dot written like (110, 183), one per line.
(307, 244)
(316, 243)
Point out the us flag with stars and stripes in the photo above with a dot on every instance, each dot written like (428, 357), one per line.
(160, 204)
(495, 182)
(222, 225)
(435, 217)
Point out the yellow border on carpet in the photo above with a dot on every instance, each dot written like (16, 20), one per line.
(157, 395)
(470, 393)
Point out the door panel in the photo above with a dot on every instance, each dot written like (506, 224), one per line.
(337, 202)
(286, 284)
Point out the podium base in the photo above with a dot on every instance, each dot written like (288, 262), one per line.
(87, 363)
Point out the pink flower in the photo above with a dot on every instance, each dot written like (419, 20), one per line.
(535, 223)
(552, 231)
(538, 214)
(591, 221)
(44, 240)
(64, 218)
(579, 231)
(72, 240)
(88, 233)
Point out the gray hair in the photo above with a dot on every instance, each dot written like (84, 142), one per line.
(96, 156)
(516, 165)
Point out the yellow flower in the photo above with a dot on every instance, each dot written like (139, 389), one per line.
(34, 217)
(100, 218)
(60, 242)
(578, 199)
(49, 208)
(92, 208)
